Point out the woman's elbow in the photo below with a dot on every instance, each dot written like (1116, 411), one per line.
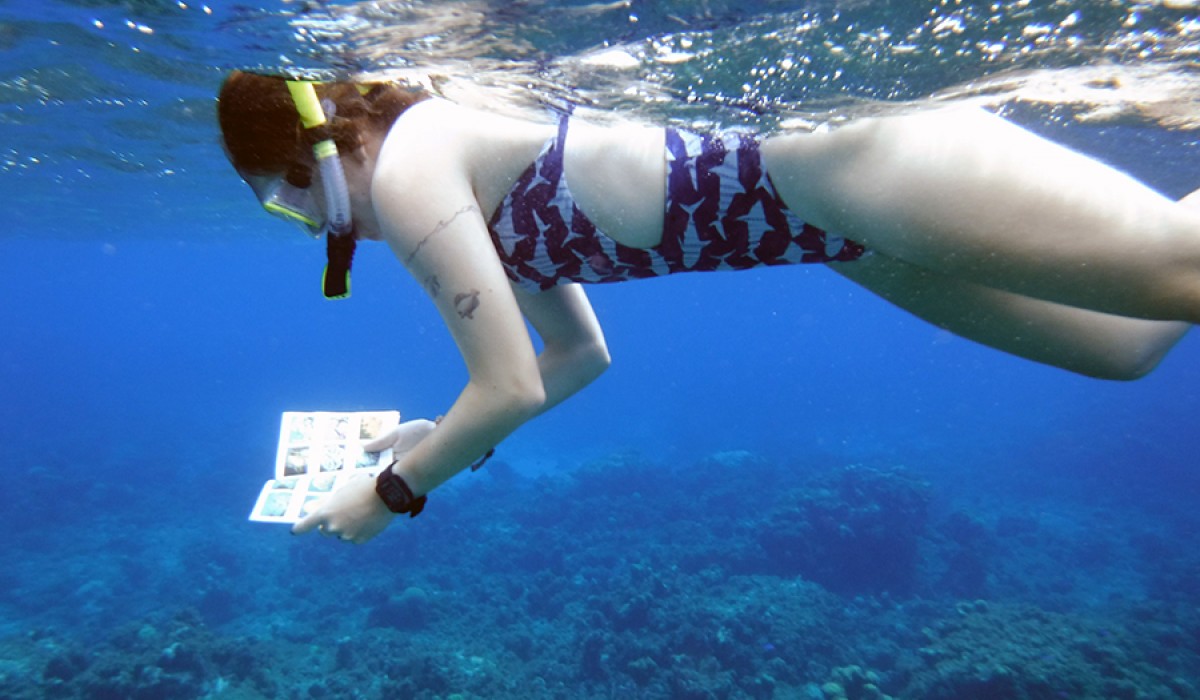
(513, 394)
(525, 399)
(594, 359)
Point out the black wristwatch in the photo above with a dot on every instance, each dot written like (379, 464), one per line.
(396, 494)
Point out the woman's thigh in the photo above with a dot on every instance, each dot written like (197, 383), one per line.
(1087, 342)
(966, 194)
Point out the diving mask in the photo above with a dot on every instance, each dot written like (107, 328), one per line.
(296, 205)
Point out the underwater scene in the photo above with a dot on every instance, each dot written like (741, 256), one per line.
(784, 486)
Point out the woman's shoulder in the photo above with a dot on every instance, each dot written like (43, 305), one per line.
(452, 136)
(433, 108)
(438, 147)
(443, 119)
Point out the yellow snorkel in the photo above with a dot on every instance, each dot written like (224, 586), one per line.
(340, 239)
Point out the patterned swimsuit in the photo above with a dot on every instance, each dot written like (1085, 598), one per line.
(722, 213)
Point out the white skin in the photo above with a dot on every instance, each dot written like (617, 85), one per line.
(976, 225)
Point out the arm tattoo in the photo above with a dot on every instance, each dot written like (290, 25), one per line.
(441, 226)
(433, 286)
(466, 303)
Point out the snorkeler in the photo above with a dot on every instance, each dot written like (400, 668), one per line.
(954, 214)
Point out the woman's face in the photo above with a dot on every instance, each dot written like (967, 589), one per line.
(306, 206)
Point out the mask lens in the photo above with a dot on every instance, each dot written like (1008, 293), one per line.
(297, 205)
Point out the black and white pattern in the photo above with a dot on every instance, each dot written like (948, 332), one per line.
(722, 213)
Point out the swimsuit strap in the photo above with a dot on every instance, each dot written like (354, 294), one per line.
(551, 165)
(561, 141)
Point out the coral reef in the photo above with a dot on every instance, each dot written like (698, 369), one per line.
(1022, 652)
(853, 683)
(733, 578)
(852, 530)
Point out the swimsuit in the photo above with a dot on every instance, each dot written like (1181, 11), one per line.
(722, 213)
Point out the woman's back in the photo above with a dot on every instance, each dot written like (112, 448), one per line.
(616, 173)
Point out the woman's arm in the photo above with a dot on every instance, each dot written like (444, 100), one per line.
(458, 267)
(574, 351)
(427, 211)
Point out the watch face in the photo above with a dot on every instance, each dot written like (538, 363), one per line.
(392, 490)
(396, 494)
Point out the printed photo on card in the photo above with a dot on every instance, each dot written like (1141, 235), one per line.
(318, 452)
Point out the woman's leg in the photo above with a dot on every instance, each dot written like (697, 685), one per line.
(1088, 342)
(962, 193)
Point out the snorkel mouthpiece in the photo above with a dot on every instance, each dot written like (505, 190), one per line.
(340, 238)
(339, 251)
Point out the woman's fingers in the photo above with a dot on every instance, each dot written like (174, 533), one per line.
(307, 523)
(383, 441)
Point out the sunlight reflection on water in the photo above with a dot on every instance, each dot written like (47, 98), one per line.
(101, 88)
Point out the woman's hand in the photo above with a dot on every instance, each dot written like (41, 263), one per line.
(355, 513)
(402, 438)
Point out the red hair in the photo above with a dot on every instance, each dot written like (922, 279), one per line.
(261, 128)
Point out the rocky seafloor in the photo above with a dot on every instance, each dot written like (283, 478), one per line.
(735, 577)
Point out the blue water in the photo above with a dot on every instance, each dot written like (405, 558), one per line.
(782, 482)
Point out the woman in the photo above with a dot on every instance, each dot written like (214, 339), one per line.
(953, 214)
